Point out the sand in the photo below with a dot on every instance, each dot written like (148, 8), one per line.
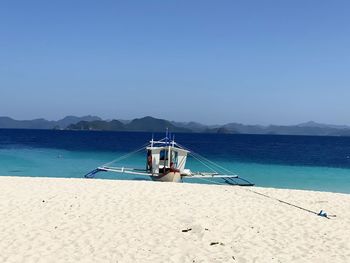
(80, 220)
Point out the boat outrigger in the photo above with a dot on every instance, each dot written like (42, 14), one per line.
(165, 162)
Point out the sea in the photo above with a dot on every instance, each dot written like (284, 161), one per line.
(317, 163)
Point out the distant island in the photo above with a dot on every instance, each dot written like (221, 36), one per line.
(150, 124)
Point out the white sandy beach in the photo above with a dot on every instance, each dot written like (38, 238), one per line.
(80, 220)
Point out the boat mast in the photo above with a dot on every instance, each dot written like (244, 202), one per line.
(168, 143)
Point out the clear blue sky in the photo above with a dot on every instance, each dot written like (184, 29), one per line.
(280, 62)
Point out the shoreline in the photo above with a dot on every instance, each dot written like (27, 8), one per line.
(186, 183)
(101, 220)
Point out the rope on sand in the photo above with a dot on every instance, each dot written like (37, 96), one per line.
(321, 213)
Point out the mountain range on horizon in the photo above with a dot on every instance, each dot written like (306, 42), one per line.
(151, 124)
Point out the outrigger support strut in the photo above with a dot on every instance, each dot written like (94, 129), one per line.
(231, 181)
(93, 172)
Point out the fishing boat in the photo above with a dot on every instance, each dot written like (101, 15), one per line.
(166, 162)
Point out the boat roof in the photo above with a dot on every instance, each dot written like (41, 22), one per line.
(165, 143)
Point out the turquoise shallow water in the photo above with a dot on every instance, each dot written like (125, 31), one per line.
(299, 162)
(54, 162)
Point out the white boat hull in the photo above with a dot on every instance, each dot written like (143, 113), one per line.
(169, 177)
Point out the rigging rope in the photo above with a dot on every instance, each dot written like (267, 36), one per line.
(210, 168)
(204, 159)
(126, 155)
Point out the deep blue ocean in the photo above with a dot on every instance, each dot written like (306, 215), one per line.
(298, 162)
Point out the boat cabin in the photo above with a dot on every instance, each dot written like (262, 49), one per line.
(165, 158)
